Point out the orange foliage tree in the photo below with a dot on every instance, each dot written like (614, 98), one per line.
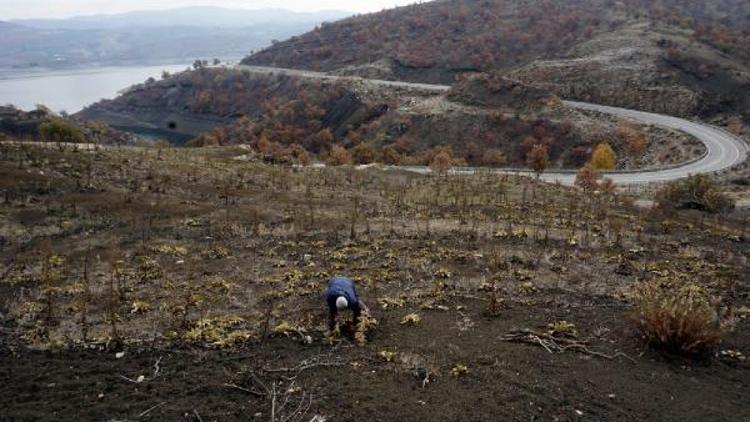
(635, 141)
(339, 156)
(364, 154)
(587, 178)
(734, 125)
(493, 158)
(538, 159)
(442, 162)
(604, 157)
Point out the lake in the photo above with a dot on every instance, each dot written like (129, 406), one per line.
(72, 90)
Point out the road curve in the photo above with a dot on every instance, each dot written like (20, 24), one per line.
(724, 150)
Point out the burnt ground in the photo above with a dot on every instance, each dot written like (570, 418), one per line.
(506, 381)
(215, 293)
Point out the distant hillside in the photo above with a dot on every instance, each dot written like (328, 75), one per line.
(484, 121)
(175, 36)
(208, 17)
(440, 40)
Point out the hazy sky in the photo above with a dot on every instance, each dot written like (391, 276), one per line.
(21, 9)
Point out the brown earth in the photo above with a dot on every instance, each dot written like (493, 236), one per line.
(505, 380)
(214, 269)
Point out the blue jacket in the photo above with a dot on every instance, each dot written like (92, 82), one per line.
(341, 286)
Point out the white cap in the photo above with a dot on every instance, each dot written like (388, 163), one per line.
(342, 303)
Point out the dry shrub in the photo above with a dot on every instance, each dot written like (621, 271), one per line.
(696, 192)
(677, 319)
(339, 156)
(365, 328)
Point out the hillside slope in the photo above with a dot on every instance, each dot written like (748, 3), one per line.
(483, 121)
(699, 51)
(647, 68)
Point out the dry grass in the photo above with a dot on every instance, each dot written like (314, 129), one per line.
(171, 259)
(677, 319)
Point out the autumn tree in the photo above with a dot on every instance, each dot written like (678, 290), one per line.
(297, 154)
(320, 141)
(442, 162)
(587, 178)
(734, 125)
(527, 145)
(635, 141)
(604, 157)
(637, 144)
(579, 156)
(391, 155)
(338, 156)
(264, 145)
(364, 153)
(538, 159)
(493, 158)
(624, 131)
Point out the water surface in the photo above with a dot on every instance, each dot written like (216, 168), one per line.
(72, 90)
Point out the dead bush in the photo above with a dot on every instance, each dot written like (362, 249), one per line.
(677, 319)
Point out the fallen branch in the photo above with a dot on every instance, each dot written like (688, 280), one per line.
(247, 390)
(147, 411)
(130, 379)
(557, 344)
(305, 365)
(157, 367)
(197, 415)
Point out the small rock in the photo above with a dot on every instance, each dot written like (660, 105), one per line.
(119, 355)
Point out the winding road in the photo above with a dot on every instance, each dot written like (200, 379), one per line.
(724, 150)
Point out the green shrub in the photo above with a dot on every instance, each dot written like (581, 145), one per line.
(58, 130)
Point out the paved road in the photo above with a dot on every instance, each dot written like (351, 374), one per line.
(723, 149)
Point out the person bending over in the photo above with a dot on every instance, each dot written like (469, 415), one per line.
(341, 295)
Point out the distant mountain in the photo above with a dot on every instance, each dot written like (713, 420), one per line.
(149, 37)
(207, 16)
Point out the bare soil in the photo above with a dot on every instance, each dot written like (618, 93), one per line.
(208, 273)
(506, 381)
